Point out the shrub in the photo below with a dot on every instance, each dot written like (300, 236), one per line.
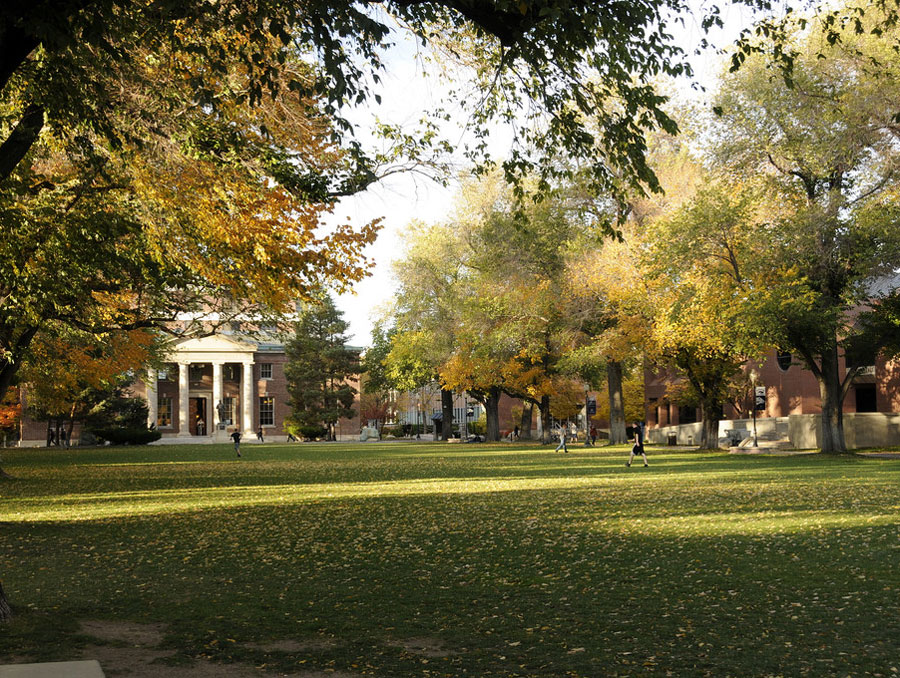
(311, 432)
(127, 436)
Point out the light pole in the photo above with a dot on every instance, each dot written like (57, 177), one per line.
(587, 416)
(754, 375)
(465, 435)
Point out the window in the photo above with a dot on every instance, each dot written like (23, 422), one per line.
(197, 372)
(265, 370)
(164, 413)
(783, 358)
(267, 411)
(230, 372)
(865, 398)
(229, 410)
(687, 414)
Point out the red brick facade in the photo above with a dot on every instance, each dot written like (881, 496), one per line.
(790, 389)
(200, 361)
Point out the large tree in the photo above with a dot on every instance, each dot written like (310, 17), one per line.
(423, 329)
(70, 374)
(705, 269)
(535, 51)
(195, 208)
(320, 368)
(485, 295)
(824, 152)
(377, 401)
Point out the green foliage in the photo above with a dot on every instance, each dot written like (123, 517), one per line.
(311, 432)
(127, 436)
(479, 426)
(816, 152)
(116, 409)
(320, 367)
(119, 418)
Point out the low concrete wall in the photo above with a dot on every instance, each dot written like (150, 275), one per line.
(861, 429)
(871, 429)
(689, 434)
(805, 431)
(685, 434)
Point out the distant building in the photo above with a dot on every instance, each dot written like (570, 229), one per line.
(792, 403)
(243, 375)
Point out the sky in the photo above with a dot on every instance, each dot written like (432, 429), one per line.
(406, 94)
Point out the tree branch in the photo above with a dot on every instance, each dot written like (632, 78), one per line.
(21, 139)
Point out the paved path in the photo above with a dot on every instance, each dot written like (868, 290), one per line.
(84, 669)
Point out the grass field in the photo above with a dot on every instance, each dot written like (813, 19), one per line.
(443, 560)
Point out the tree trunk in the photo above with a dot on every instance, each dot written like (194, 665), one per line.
(525, 424)
(5, 611)
(545, 419)
(832, 441)
(492, 411)
(617, 435)
(446, 414)
(709, 434)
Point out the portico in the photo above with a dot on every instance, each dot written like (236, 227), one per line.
(213, 374)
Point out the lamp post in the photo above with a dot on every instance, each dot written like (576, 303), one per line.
(587, 415)
(754, 375)
(465, 435)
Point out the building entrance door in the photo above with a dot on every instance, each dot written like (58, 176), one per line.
(197, 417)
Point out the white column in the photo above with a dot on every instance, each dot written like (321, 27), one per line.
(217, 395)
(152, 398)
(184, 429)
(248, 397)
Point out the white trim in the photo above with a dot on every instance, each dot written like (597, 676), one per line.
(184, 389)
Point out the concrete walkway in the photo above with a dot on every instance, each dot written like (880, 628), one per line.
(83, 669)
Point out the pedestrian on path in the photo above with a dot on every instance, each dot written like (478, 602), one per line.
(236, 437)
(638, 447)
(562, 440)
(259, 434)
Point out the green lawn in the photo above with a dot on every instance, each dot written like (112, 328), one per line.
(497, 560)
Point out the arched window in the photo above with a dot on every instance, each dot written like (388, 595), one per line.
(783, 358)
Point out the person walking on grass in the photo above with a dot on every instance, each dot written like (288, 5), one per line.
(562, 439)
(236, 437)
(638, 447)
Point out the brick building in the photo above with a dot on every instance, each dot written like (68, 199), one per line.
(792, 405)
(238, 377)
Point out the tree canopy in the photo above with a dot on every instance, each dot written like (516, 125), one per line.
(823, 157)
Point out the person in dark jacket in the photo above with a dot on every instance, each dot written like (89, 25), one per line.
(638, 447)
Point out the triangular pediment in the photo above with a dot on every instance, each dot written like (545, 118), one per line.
(216, 346)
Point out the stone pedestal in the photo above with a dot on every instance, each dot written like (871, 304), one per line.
(220, 435)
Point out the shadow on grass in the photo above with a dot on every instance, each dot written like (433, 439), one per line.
(641, 577)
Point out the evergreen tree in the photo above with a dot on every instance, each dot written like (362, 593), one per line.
(319, 370)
